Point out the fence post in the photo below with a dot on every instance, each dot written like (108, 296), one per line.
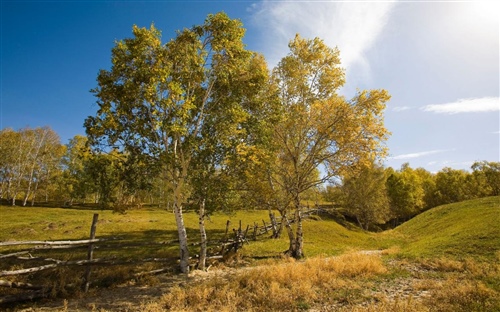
(90, 253)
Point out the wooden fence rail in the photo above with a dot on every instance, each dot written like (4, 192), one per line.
(227, 244)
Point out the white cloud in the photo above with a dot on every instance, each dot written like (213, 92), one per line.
(477, 105)
(353, 27)
(417, 155)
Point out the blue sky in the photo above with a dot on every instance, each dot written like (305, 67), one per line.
(438, 60)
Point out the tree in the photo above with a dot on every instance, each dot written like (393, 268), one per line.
(487, 176)
(428, 182)
(319, 128)
(365, 196)
(451, 186)
(29, 157)
(406, 193)
(78, 184)
(47, 166)
(9, 139)
(156, 99)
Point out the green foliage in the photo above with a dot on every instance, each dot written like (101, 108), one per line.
(318, 127)
(30, 164)
(451, 186)
(179, 106)
(365, 196)
(406, 192)
(486, 176)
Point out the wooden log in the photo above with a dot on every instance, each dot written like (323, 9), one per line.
(31, 258)
(29, 270)
(15, 254)
(51, 266)
(227, 229)
(50, 243)
(19, 285)
(245, 234)
(90, 253)
(79, 263)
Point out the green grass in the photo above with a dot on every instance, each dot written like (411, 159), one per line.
(456, 230)
(459, 230)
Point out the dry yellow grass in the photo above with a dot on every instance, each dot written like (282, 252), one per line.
(293, 285)
(338, 284)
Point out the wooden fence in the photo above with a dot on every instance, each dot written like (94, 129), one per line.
(230, 243)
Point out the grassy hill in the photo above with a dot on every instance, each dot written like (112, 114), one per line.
(465, 229)
(456, 230)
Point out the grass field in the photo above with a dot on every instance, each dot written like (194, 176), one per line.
(446, 259)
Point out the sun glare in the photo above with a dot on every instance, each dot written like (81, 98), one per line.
(489, 10)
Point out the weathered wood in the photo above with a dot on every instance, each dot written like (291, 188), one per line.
(31, 258)
(90, 253)
(51, 266)
(227, 228)
(15, 254)
(50, 243)
(246, 233)
(19, 285)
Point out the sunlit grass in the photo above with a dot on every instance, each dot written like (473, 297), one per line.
(457, 230)
(453, 251)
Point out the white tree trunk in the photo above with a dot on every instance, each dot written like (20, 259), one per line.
(203, 237)
(181, 230)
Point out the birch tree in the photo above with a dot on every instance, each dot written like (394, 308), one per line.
(320, 129)
(156, 99)
(29, 156)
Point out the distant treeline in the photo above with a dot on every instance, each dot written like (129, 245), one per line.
(36, 169)
(376, 195)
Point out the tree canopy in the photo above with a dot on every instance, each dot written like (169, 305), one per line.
(167, 104)
(319, 129)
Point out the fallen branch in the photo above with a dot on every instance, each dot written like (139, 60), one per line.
(19, 285)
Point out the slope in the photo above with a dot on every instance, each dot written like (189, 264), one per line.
(468, 228)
